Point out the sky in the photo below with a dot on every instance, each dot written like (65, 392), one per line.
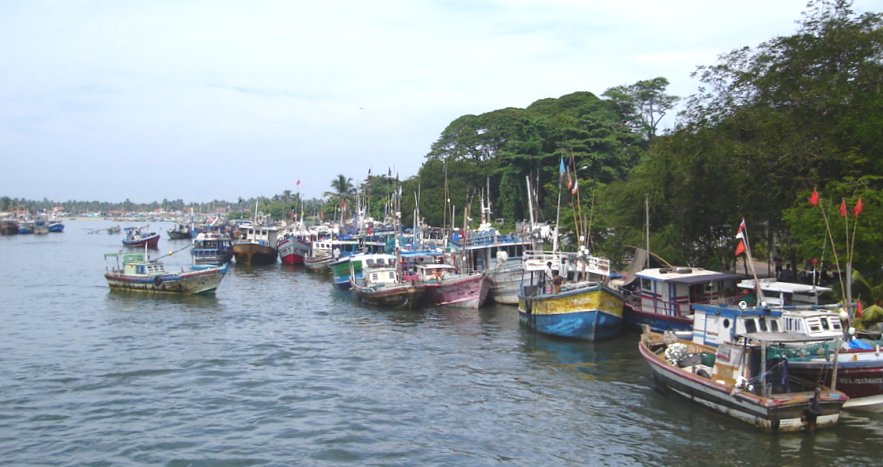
(202, 100)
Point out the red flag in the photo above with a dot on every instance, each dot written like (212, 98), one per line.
(740, 248)
(858, 309)
(843, 207)
(858, 208)
(814, 198)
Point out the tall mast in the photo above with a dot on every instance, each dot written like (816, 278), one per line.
(647, 226)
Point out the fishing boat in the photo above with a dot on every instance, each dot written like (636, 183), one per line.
(567, 295)
(139, 237)
(293, 247)
(56, 227)
(180, 232)
(26, 227)
(356, 249)
(212, 247)
(382, 284)
(859, 361)
(135, 272)
(256, 245)
(8, 227)
(319, 258)
(663, 298)
(741, 381)
(446, 287)
(498, 256)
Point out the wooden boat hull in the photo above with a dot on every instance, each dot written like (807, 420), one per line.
(200, 281)
(404, 296)
(779, 414)
(150, 242)
(179, 235)
(8, 227)
(590, 312)
(254, 254)
(636, 319)
(319, 263)
(467, 291)
(505, 283)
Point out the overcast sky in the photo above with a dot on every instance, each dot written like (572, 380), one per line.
(203, 100)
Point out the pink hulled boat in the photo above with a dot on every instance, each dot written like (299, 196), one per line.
(444, 286)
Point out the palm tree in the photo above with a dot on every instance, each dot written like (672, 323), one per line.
(343, 191)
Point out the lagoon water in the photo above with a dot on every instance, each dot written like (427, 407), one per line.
(280, 369)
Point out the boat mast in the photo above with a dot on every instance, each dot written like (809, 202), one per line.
(647, 226)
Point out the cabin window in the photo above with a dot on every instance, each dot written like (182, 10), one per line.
(726, 324)
(825, 324)
(836, 325)
(763, 326)
(750, 326)
(814, 326)
(140, 269)
(391, 274)
(646, 284)
(373, 276)
(774, 326)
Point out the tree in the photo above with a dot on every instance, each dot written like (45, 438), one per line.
(642, 105)
(343, 191)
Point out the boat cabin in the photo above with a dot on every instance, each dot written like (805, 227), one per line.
(715, 325)
(777, 293)
(673, 291)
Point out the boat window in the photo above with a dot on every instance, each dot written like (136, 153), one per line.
(813, 325)
(763, 326)
(139, 269)
(836, 324)
(750, 326)
(774, 326)
(392, 274)
(825, 324)
(726, 323)
(646, 284)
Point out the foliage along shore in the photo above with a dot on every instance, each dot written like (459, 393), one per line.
(769, 125)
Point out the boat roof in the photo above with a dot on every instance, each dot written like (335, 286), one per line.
(768, 337)
(435, 266)
(686, 275)
(772, 285)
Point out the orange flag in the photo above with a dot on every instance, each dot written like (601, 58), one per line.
(858, 208)
(740, 248)
(814, 198)
(843, 207)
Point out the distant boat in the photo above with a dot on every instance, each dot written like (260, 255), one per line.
(180, 232)
(212, 247)
(8, 227)
(320, 256)
(293, 247)
(56, 227)
(41, 226)
(137, 273)
(256, 245)
(25, 227)
(139, 237)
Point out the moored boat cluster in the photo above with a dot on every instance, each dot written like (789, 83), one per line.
(760, 350)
